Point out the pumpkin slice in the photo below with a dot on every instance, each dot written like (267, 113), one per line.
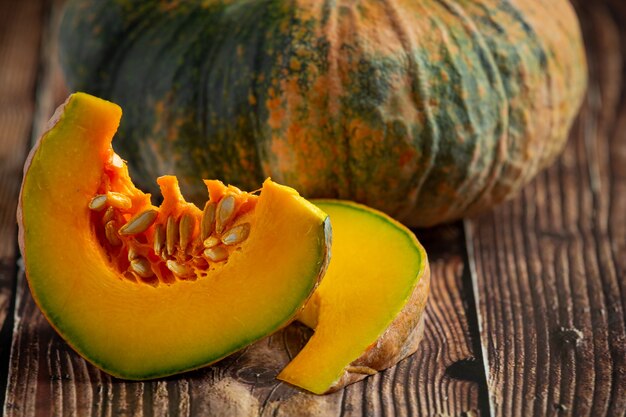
(367, 313)
(143, 291)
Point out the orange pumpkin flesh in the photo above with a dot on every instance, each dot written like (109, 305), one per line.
(135, 327)
(368, 311)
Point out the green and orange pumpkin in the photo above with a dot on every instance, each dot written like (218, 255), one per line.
(427, 109)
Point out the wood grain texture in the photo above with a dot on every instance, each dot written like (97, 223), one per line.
(549, 282)
(550, 265)
(19, 60)
(45, 374)
(442, 379)
(51, 89)
(19, 55)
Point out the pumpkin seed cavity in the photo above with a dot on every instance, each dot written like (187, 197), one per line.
(176, 245)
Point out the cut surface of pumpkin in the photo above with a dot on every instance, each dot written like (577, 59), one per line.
(144, 291)
(367, 312)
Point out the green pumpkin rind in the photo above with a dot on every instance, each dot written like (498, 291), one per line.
(428, 110)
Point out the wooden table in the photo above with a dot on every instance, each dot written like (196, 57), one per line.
(526, 315)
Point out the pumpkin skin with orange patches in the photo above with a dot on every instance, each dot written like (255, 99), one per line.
(429, 110)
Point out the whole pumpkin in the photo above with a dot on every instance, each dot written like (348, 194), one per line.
(426, 109)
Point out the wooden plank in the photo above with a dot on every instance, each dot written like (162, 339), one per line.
(550, 266)
(19, 55)
(19, 52)
(51, 91)
(443, 378)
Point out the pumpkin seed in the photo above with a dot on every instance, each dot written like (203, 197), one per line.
(179, 269)
(185, 229)
(216, 254)
(98, 203)
(211, 241)
(132, 254)
(141, 266)
(119, 200)
(139, 223)
(225, 212)
(159, 238)
(207, 224)
(236, 235)
(108, 215)
(171, 235)
(110, 231)
(116, 161)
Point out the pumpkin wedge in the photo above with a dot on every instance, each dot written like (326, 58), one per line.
(368, 312)
(144, 291)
